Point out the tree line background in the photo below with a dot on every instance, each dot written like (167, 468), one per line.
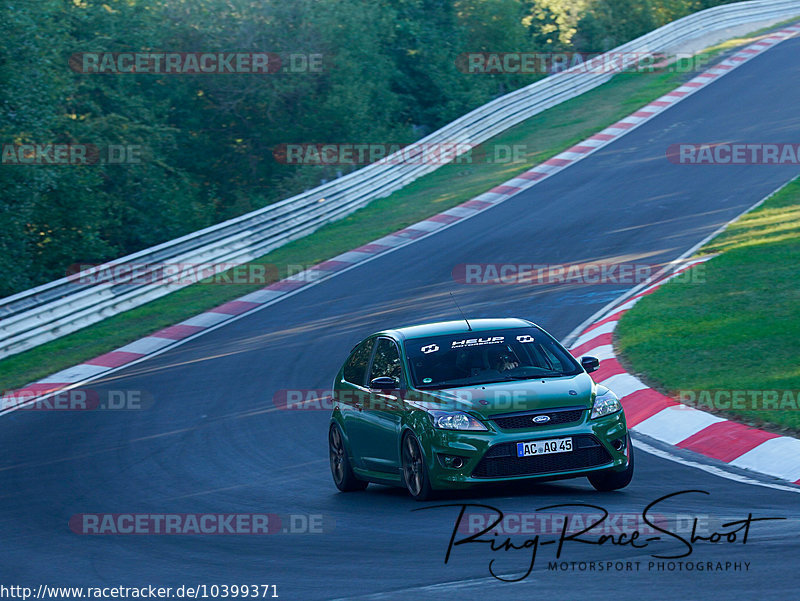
(390, 76)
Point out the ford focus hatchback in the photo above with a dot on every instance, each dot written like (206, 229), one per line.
(454, 404)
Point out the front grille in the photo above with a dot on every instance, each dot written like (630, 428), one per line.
(501, 460)
(519, 421)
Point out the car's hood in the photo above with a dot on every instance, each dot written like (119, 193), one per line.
(510, 397)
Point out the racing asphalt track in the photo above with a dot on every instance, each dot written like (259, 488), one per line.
(194, 450)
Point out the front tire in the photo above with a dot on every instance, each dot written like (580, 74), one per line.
(609, 480)
(415, 471)
(343, 476)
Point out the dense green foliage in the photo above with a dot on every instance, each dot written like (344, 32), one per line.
(389, 76)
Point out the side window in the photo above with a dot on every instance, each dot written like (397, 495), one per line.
(556, 363)
(355, 368)
(386, 361)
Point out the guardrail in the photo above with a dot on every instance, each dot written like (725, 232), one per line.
(46, 312)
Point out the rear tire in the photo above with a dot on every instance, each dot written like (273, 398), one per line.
(609, 480)
(343, 476)
(415, 470)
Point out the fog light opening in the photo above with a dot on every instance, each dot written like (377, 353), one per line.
(452, 461)
(619, 444)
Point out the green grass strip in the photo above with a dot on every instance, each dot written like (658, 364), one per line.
(734, 327)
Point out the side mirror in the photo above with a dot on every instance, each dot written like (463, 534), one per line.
(590, 364)
(384, 383)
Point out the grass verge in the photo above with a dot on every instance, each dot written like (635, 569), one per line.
(736, 329)
(542, 136)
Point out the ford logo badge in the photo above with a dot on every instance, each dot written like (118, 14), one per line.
(541, 419)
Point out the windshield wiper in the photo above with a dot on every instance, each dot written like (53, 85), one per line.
(451, 384)
(552, 375)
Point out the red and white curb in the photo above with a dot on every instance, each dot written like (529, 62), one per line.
(227, 312)
(667, 420)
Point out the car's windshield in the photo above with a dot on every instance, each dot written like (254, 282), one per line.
(472, 358)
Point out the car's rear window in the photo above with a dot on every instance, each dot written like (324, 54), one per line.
(472, 358)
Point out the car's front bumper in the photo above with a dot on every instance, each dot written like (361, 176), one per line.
(491, 456)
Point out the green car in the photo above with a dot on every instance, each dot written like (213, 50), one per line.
(452, 404)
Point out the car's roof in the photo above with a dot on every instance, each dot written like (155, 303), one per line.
(459, 326)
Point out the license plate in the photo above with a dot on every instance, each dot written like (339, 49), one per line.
(544, 447)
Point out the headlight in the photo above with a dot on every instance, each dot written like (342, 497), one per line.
(605, 404)
(455, 421)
